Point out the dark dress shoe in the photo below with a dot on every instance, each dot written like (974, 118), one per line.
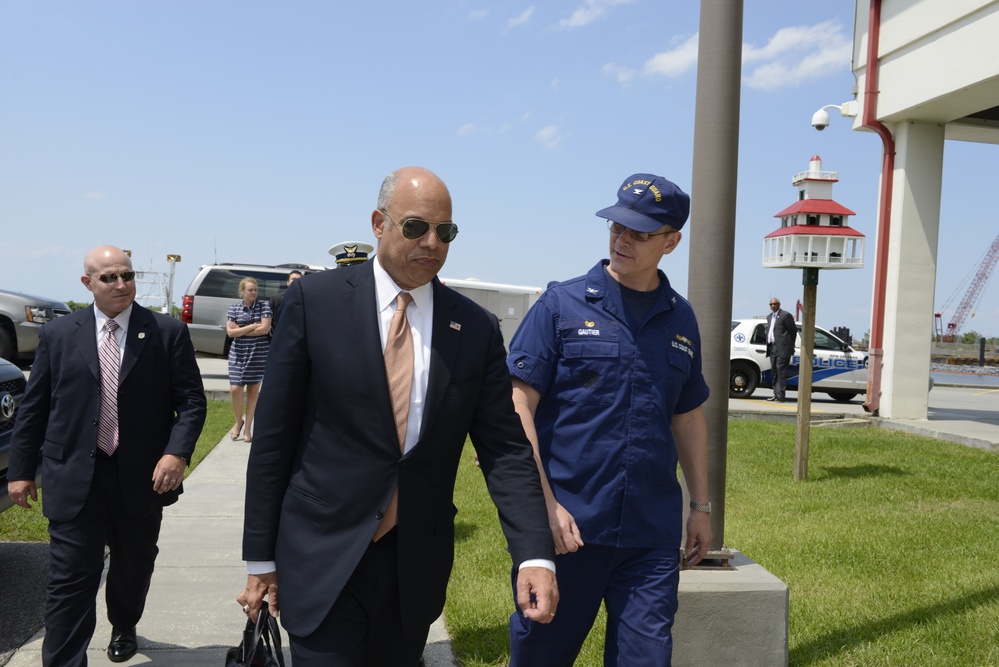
(123, 644)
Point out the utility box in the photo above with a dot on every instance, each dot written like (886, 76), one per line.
(509, 303)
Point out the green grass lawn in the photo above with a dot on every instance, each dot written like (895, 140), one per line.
(889, 549)
(20, 525)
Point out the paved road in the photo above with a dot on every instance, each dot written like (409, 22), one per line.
(23, 574)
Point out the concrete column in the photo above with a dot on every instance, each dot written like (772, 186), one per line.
(912, 269)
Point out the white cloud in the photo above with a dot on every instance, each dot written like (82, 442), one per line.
(550, 137)
(588, 13)
(793, 40)
(620, 72)
(478, 14)
(674, 62)
(94, 195)
(524, 17)
(797, 54)
(792, 55)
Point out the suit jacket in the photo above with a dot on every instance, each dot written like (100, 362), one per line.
(325, 456)
(276, 302)
(785, 331)
(161, 410)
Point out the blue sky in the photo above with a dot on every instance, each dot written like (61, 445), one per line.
(260, 131)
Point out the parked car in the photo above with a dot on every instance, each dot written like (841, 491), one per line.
(21, 316)
(11, 393)
(216, 287)
(837, 369)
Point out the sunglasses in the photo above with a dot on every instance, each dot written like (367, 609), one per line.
(642, 237)
(414, 228)
(108, 278)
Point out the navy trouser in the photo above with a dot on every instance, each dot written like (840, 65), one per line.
(364, 626)
(639, 588)
(77, 548)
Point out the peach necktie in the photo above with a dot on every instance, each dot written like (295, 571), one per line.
(399, 369)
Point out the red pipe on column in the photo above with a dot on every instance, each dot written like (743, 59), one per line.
(869, 120)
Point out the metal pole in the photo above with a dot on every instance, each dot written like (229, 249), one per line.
(172, 259)
(875, 352)
(712, 225)
(810, 279)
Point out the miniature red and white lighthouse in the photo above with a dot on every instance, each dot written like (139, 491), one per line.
(814, 234)
(814, 231)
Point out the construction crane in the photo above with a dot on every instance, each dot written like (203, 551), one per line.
(971, 297)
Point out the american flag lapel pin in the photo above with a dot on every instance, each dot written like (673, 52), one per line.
(455, 326)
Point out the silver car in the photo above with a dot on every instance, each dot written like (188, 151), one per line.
(21, 317)
(216, 287)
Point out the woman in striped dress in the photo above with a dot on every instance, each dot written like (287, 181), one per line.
(249, 322)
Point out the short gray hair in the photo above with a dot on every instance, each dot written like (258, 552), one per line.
(387, 191)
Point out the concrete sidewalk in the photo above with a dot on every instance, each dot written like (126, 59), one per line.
(191, 616)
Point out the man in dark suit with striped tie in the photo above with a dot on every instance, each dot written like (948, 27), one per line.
(114, 405)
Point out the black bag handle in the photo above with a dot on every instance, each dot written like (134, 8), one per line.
(265, 628)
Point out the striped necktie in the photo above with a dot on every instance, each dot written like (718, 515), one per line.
(110, 356)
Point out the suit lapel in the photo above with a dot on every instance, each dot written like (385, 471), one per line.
(139, 326)
(444, 348)
(359, 313)
(86, 340)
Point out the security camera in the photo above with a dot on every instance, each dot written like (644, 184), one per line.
(820, 120)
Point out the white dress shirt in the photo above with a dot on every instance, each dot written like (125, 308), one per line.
(420, 315)
(122, 319)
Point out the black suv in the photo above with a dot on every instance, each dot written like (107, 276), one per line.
(11, 392)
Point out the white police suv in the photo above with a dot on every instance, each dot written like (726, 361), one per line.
(837, 369)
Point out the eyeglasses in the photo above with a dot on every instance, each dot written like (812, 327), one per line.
(641, 237)
(414, 228)
(108, 278)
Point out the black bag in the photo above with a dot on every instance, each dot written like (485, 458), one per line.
(261, 645)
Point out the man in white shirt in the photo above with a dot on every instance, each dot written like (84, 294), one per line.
(781, 332)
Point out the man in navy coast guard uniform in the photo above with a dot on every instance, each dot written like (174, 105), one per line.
(607, 380)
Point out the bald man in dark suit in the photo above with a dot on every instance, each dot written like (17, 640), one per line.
(115, 433)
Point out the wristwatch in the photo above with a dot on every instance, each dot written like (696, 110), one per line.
(701, 508)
